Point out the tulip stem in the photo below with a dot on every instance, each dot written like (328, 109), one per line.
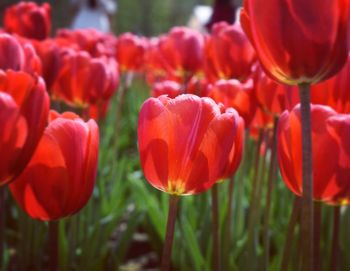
(170, 228)
(215, 229)
(290, 233)
(227, 240)
(53, 245)
(2, 225)
(307, 213)
(317, 234)
(335, 238)
(271, 178)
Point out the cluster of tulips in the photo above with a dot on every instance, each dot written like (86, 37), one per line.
(210, 92)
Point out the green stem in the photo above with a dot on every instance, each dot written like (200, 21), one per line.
(290, 234)
(227, 240)
(216, 229)
(335, 239)
(53, 245)
(307, 213)
(271, 178)
(170, 228)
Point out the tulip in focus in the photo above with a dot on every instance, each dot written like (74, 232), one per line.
(331, 153)
(24, 106)
(60, 177)
(184, 142)
(299, 41)
(28, 20)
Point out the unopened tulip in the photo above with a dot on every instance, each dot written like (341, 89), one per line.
(330, 153)
(29, 20)
(299, 41)
(24, 106)
(59, 179)
(184, 142)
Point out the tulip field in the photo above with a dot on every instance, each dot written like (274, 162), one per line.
(221, 150)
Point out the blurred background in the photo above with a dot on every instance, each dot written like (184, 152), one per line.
(146, 17)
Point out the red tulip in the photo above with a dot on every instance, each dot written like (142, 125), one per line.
(18, 54)
(83, 80)
(182, 50)
(60, 177)
(274, 97)
(184, 142)
(24, 107)
(29, 20)
(93, 41)
(299, 41)
(233, 93)
(236, 153)
(334, 92)
(330, 152)
(170, 88)
(228, 53)
(130, 52)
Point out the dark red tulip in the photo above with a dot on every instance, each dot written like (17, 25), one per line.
(29, 20)
(330, 152)
(23, 117)
(184, 142)
(334, 92)
(83, 80)
(233, 93)
(299, 41)
(131, 51)
(228, 53)
(170, 88)
(60, 177)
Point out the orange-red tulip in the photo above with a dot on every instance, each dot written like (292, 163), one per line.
(228, 53)
(184, 142)
(29, 20)
(233, 93)
(299, 41)
(60, 177)
(24, 106)
(330, 152)
(131, 51)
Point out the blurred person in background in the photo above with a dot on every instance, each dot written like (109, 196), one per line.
(94, 14)
(223, 10)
